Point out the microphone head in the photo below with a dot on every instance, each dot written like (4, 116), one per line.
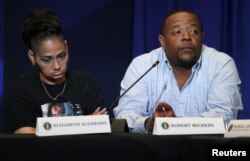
(156, 63)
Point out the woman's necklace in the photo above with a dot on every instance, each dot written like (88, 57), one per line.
(53, 98)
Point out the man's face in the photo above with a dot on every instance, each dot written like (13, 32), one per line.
(182, 39)
(52, 59)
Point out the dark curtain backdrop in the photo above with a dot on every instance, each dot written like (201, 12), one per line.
(1, 55)
(1, 47)
(226, 27)
(105, 35)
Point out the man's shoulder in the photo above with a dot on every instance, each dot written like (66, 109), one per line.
(215, 60)
(210, 53)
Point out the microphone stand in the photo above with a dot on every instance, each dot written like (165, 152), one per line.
(154, 65)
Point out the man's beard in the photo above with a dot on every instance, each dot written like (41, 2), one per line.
(188, 63)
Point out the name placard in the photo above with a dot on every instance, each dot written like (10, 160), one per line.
(68, 125)
(238, 128)
(188, 125)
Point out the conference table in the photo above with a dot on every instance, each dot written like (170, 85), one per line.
(113, 146)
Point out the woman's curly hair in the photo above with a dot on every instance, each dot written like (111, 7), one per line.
(39, 25)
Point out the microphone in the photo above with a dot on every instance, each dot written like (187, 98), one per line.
(153, 65)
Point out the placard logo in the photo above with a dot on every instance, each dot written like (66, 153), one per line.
(47, 126)
(165, 125)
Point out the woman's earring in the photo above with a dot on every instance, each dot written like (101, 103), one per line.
(33, 63)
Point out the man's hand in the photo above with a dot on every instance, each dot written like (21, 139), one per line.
(163, 110)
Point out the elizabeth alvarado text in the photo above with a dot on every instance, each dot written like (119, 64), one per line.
(80, 124)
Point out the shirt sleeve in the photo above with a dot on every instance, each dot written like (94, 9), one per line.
(18, 111)
(224, 97)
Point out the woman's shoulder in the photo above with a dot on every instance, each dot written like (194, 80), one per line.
(28, 77)
(80, 76)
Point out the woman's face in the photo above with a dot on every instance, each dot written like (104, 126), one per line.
(51, 58)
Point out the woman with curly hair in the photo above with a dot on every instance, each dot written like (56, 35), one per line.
(48, 52)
